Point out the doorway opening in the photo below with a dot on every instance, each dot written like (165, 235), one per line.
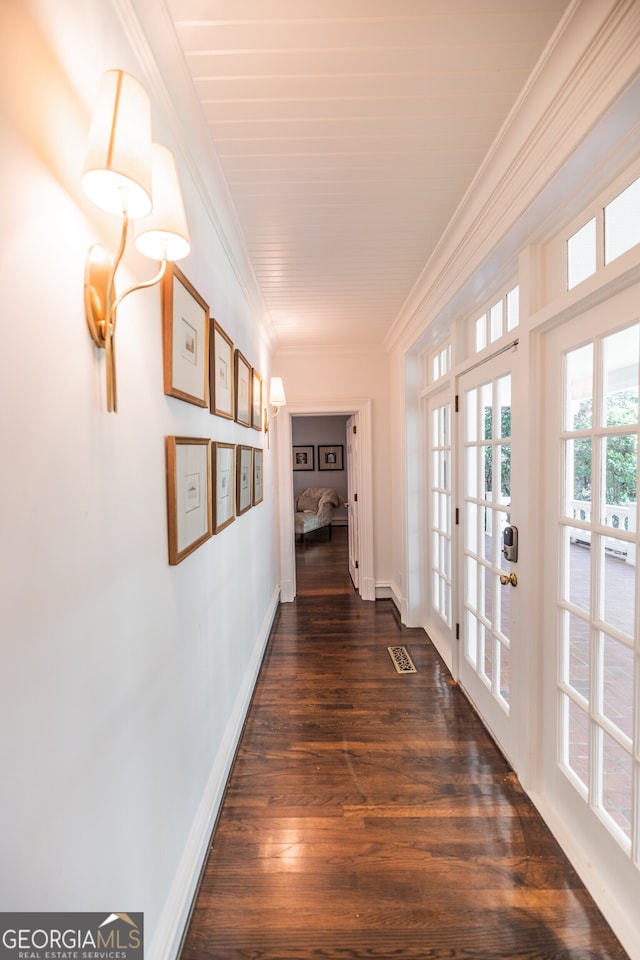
(321, 467)
(359, 488)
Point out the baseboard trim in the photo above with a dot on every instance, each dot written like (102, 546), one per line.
(169, 933)
(388, 591)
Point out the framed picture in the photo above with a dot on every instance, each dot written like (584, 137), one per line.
(257, 492)
(244, 479)
(242, 390)
(185, 339)
(188, 495)
(303, 458)
(223, 460)
(331, 457)
(256, 407)
(221, 364)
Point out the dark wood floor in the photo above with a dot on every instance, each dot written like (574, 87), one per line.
(369, 815)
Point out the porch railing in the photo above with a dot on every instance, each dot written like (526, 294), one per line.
(621, 517)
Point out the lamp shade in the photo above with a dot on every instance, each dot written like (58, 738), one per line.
(117, 169)
(276, 392)
(164, 234)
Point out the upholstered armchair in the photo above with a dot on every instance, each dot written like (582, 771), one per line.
(315, 508)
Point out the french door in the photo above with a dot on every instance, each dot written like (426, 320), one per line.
(488, 445)
(592, 655)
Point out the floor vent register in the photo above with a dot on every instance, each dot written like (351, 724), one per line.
(401, 660)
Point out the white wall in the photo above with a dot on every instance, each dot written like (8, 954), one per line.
(123, 680)
(326, 375)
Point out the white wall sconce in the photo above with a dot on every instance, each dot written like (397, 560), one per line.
(127, 175)
(277, 399)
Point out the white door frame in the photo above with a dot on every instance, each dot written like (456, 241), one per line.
(361, 408)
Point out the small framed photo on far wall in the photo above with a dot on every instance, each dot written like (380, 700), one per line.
(302, 458)
(331, 457)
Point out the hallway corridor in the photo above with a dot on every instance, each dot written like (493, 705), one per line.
(369, 815)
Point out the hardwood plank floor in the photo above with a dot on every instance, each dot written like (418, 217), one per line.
(369, 815)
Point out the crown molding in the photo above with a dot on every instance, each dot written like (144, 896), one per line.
(149, 30)
(587, 66)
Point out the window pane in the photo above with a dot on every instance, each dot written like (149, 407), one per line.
(486, 406)
(621, 353)
(503, 397)
(471, 415)
(578, 567)
(576, 655)
(481, 332)
(504, 455)
(622, 223)
(617, 684)
(471, 485)
(504, 668)
(581, 254)
(579, 389)
(576, 739)
(446, 440)
(488, 654)
(616, 783)
(513, 308)
(487, 474)
(471, 585)
(621, 473)
(496, 321)
(486, 518)
(471, 528)
(485, 592)
(578, 479)
(471, 638)
(618, 586)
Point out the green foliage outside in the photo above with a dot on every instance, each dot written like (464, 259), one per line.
(621, 452)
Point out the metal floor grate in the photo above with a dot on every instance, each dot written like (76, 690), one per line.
(401, 660)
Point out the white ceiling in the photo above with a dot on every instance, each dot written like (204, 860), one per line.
(348, 132)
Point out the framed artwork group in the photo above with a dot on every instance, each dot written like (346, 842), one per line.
(330, 457)
(209, 484)
(201, 365)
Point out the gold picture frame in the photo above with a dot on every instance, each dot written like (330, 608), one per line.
(256, 400)
(221, 372)
(244, 478)
(185, 339)
(242, 388)
(189, 515)
(223, 460)
(257, 486)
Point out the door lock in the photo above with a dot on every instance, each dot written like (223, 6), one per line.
(512, 579)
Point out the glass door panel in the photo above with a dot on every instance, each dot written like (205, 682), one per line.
(486, 484)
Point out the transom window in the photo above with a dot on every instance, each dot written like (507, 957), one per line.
(501, 317)
(620, 220)
(439, 363)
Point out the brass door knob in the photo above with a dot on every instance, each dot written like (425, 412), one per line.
(512, 579)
